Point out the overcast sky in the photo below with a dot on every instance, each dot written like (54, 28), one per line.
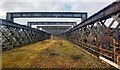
(90, 6)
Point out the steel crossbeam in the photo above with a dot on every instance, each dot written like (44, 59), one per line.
(11, 15)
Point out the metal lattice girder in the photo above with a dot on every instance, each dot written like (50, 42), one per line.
(105, 13)
(51, 23)
(16, 35)
(98, 38)
(11, 15)
(55, 30)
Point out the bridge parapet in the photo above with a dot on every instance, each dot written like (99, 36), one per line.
(16, 35)
(93, 35)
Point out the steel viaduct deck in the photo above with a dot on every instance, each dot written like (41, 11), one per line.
(92, 33)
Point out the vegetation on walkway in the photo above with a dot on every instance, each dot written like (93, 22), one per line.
(52, 53)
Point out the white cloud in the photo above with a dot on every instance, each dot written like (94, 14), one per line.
(57, 5)
(30, 6)
(90, 7)
(57, 0)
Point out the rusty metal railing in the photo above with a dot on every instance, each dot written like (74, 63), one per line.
(16, 35)
(93, 35)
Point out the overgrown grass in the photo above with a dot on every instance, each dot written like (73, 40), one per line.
(52, 53)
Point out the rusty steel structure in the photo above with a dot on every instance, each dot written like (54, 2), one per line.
(11, 15)
(55, 30)
(16, 35)
(93, 35)
(30, 23)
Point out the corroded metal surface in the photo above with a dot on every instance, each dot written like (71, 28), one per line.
(103, 14)
(16, 35)
(98, 38)
(11, 15)
(30, 23)
(55, 30)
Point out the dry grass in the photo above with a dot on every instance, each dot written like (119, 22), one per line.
(52, 53)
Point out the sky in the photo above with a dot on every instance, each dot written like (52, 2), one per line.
(90, 6)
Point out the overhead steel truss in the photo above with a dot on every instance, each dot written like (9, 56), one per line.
(55, 30)
(50, 23)
(11, 15)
